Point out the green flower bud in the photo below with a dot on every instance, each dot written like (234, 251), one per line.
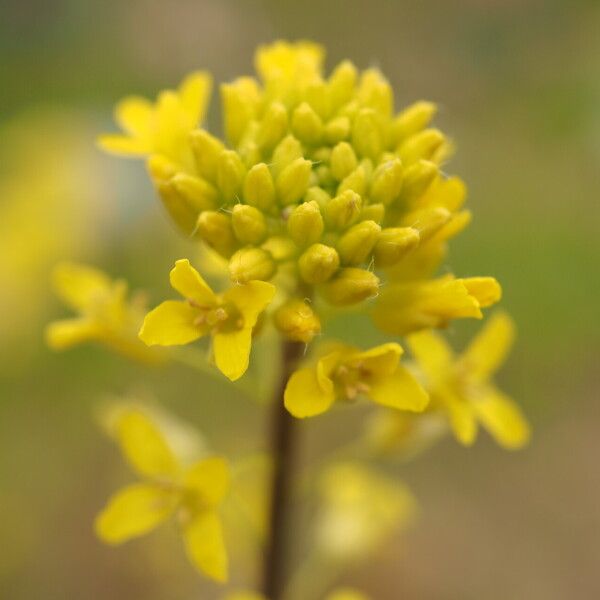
(357, 243)
(198, 192)
(366, 136)
(307, 125)
(293, 181)
(393, 244)
(337, 130)
(230, 175)
(305, 224)
(343, 160)
(422, 145)
(207, 149)
(343, 210)
(417, 178)
(259, 187)
(249, 224)
(318, 263)
(412, 120)
(387, 182)
(297, 321)
(286, 152)
(350, 286)
(215, 229)
(273, 127)
(249, 264)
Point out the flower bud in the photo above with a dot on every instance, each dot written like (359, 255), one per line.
(393, 244)
(343, 160)
(280, 247)
(306, 124)
(305, 224)
(341, 83)
(215, 229)
(366, 137)
(417, 178)
(357, 243)
(240, 101)
(198, 192)
(343, 210)
(287, 151)
(427, 221)
(412, 120)
(317, 95)
(249, 224)
(356, 181)
(160, 168)
(387, 182)
(206, 149)
(350, 286)
(273, 127)
(319, 195)
(183, 214)
(422, 145)
(293, 181)
(230, 175)
(249, 264)
(337, 129)
(297, 321)
(318, 263)
(259, 187)
(373, 212)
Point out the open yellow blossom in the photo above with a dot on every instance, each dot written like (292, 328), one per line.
(105, 315)
(461, 386)
(168, 488)
(228, 318)
(347, 373)
(162, 127)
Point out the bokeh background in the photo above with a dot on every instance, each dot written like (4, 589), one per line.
(519, 89)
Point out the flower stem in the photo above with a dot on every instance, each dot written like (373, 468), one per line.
(283, 440)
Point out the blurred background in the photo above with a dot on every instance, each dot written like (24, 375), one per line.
(519, 89)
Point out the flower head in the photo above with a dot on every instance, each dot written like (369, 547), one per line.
(347, 373)
(228, 318)
(167, 488)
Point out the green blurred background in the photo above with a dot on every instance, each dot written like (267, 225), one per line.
(519, 89)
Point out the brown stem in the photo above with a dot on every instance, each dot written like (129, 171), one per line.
(283, 450)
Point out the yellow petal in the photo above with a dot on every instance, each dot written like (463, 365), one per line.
(307, 395)
(144, 446)
(399, 390)
(489, 348)
(462, 419)
(205, 546)
(80, 286)
(171, 323)
(134, 115)
(189, 283)
(378, 361)
(346, 594)
(432, 353)
(486, 290)
(232, 352)
(124, 145)
(245, 596)
(70, 332)
(209, 479)
(194, 92)
(251, 299)
(503, 419)
(133, 511)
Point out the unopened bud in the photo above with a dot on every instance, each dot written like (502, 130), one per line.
(343, 210)
(286, 152)
(249, 224)
(387, 182)
(318, 195)
(427, 221)
(373, 212)
(412, 120)
(341, 83)
(318, 263)
(356, 181)
(259, 187)
(249, 264)
(350, 286)
(366, 136)
(206, 149)
(306, 124)
(281, 248)
(305, 224)
(183, 214)
(422, 145)
(393, 244)
(230, 175)
(337, 130)
(417, 178)
(160, 168)
(240, 101)
(198, 192)
(293, 181)
(297, 321)
(273, 126)
(343, 160)
(215, 229)
(357, 243)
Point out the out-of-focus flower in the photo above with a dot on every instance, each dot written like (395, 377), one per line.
(192, 494)
(105, 314)
(347, 373)
(462, 388)
(228, 318)
(339, 594)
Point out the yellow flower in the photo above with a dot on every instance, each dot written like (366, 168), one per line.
(461, 386)
(193, 494)
(162, 127)
(229, 318)
(346, 373)
(337, 594)
(105, 314)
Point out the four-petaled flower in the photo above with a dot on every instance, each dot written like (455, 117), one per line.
(462, 387)
(346, 373)
(229, 318)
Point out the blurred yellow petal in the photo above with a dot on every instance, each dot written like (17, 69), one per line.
(462, 419)
(124, 145)
(489, 348)
(80, 286)
(70, 332)
(134, 511)
(194, 92)
(503, 419)
(209, 479)
(171, 323)
(251, 299)
(245, 596)
(232, 352)
(432, 353)
(205, 546)
(144, 446)
(399, 390)
(306, 395)
(134, 115)
(190, 284)
(486, 290)
(380, 360)
(346, 594)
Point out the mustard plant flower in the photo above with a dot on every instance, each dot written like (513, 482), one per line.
(347, 373)
(461, 386)
(228, 318)
(105, 315)
(167, 489)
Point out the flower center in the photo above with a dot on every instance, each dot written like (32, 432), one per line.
(350, 381)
